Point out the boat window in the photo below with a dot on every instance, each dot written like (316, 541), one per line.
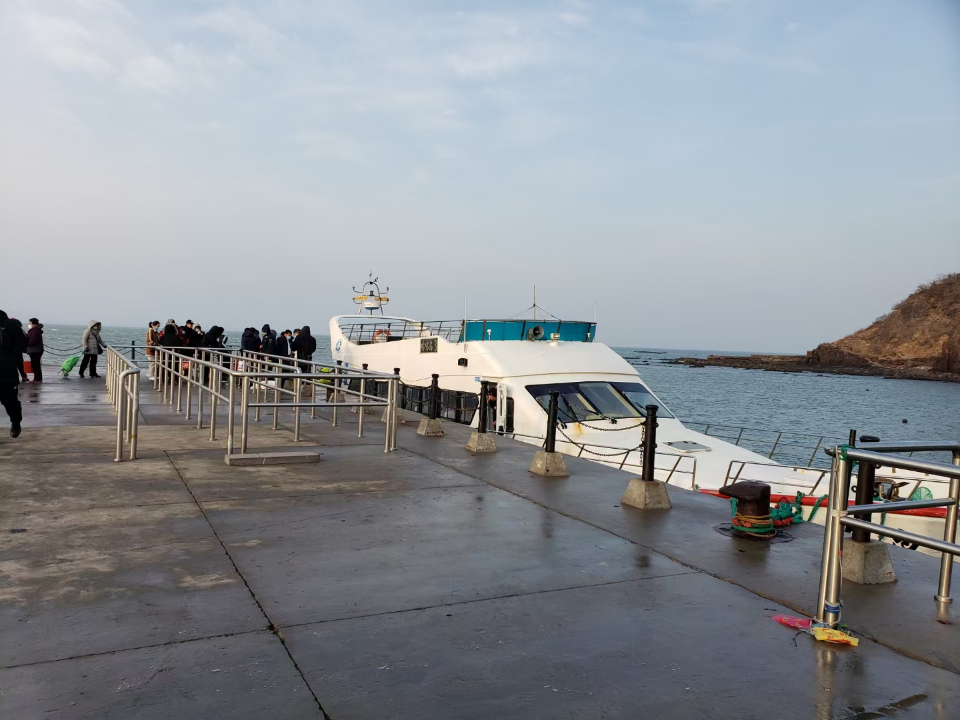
(586, 401)
(638, 394)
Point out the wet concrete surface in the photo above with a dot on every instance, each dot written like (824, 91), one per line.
(786, 572)
(425, 583)
(244, 677)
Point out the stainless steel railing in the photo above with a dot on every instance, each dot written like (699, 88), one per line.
(178, 372)
(841, 515)
(123, 389)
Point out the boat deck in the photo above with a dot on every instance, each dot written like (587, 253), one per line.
(424, 583)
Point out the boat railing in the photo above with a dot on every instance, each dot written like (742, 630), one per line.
(674, 465)
(793, 448)
(364, 330)
(842, 515)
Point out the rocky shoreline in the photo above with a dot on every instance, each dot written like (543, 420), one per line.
(801, 363)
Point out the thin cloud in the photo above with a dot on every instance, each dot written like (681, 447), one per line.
(66, 43)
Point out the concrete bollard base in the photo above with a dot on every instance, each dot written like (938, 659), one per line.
(647, 495)
(549, 464)
(867, 563)
(430, 428)
(481, 443)
(386, 416)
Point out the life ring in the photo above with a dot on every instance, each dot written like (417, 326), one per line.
(378, 333)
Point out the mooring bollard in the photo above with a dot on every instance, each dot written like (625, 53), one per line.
(480, 440)
(430, 426)
(548, 462)
(650, 443)
(646, 492)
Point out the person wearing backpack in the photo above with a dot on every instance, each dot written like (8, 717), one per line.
(92, 348)
(12, 344)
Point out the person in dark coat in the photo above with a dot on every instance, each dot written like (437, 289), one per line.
(170, 337)
(12, 344)
(304, 345)
(212, 338)
(283, 344)
(268, 344)
(250, 340)
(35, 348)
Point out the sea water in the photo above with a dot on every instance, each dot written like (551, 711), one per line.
(763, 402)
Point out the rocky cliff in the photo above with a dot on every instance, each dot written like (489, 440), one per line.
(920, 332)
(919, 339)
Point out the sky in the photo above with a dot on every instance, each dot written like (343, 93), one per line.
(718, 174)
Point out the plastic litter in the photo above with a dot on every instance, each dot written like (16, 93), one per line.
(820, 632)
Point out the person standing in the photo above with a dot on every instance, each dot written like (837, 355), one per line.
(12, 344)
(304, 345)
(35, 348)
(283, 344)
(92, 348)
(153, 339)
(268, 345)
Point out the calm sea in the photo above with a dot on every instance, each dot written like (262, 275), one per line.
(729, 398)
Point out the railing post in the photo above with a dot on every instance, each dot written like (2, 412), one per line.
(950, 536)
(434, 397)
(121, 411)
(244, 412)
(336, 390)
(550, 442)
(296, 411)
(189, 377)
(830, 571)
(363, 388)
(482, 407)
(215, 385)
(135, 418)
(866, 483)
(231, 419)
(649, 443)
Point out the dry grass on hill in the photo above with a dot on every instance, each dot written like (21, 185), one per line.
(913, 333)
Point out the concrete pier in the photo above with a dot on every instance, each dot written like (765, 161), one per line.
(430, 582)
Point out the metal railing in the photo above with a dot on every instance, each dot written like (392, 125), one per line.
(842, 515)
(363, 329)
(292, 382)
(123, 390)
(797, 449)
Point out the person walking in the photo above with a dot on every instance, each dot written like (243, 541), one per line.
(92, 348)
(35, 348)
(283, 344)
(12, 344)
(250, 340)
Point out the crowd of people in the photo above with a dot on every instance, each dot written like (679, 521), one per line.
(189, 336)
(15, 342)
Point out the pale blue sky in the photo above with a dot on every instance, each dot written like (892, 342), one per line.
(708, 171)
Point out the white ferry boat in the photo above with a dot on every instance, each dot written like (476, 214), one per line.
(602, 399)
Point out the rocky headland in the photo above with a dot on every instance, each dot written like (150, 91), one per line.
(919, 339)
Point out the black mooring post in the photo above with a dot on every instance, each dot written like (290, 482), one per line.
(550, 444)
(866, 484)
(482, 407)
(133, 350)
(649, 443)
(434, 396)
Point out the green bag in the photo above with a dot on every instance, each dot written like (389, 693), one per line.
(69, 364)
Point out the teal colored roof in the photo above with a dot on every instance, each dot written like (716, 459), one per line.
(569, 330)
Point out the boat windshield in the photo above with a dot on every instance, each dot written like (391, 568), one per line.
(581, 401)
